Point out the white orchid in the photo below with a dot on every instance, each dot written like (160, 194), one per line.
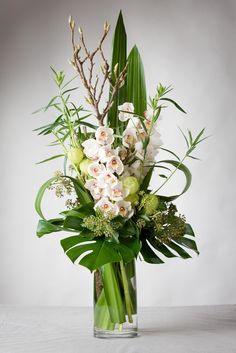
(129, 137)
(115, 165)
(139, 150)
(121, 152)
(104, 135)
(95, 169)
(134, 122)
(106, 206)
(125, 208)
(95, 188)
(105, 152)
(135, 169)
(107, 179)
(126, 111)
(116, 192)
(91, 148)
(148, 114)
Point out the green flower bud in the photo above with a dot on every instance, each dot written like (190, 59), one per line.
(84, 166)
(150, 203)
(131, 184)
(75, 155)
(133, 198)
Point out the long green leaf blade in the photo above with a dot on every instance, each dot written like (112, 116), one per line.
(119, 56)
(136, 86)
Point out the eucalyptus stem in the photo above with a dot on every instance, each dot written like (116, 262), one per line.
(128, 301)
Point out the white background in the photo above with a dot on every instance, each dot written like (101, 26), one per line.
(189, 44)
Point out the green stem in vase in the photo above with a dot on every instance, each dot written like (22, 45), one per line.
(128, 301)
(113, 294)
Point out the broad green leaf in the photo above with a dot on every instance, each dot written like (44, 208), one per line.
(46, 227)
(175, 104)
(72, 222)
(188, 243)
(95, 253)
(161, 248)
(180, 251)
(51, 158)
(148, 254)
(189, 229)
(118, 57)
(136, 87)
(187, 174)
(146, 181)
(82, 193)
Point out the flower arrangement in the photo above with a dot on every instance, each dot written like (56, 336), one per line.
(111, 212)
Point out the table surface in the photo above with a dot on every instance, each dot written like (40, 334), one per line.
(200, 329)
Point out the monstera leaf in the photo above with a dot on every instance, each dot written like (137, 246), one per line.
(179, 245)
(96, 253)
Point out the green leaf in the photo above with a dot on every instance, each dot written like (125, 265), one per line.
(118, 57)
(188, 243)
(187, 174)
(82, 193)
(180, 251)
(40, 195)
(171, 152)
(189, 229)
(49, 159)
(46, 227)
(146, 181)
(148, 254)
(175, 104)
(161, 248)
(95, 253)
(136, 87)
(73, 222)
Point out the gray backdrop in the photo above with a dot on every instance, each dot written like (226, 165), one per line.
(189, 44)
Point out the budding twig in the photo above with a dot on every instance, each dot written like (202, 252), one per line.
(91, 83)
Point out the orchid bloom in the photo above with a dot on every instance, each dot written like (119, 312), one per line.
(125, 209)
(126, 111)
(106, 206)
(105, 152)
(116, 192)
(129, 137)
(104, 135)
(95, 169)
(95, 188)
(115, 165)
(91, 148)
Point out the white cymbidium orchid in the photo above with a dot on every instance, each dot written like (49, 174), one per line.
(116, 192)
(115, 165)
(125, 209)
(96, 169)
(129, 137)
(91, 148)
(104, 135)
(95, 188)
(105, 152)
(127, 110)
(106, 206)
(134, 122)
(135, 169)
(139, 150)
(107, 179)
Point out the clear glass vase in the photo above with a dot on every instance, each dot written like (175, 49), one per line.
(115, 300)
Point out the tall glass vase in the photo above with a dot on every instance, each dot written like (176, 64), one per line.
(115, 300)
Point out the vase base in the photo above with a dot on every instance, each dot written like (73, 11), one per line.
(125, 333)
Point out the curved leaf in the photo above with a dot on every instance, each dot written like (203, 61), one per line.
(46, 227)
(40, 194)
(148, 254)
(187, 174)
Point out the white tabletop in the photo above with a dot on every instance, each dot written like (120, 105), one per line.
(200, 329)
